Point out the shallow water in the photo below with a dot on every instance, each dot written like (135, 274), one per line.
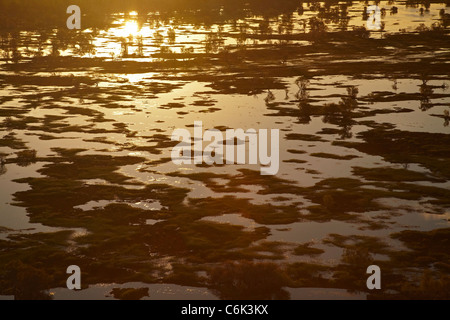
(354, 171)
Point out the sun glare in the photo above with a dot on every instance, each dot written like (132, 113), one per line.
(129, 28)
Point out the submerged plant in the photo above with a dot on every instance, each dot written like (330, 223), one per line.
(317, 26)
(2, 165)
(425, 94)
(446, 118)
(25, 282)
(248, 280)
(270, 97)
(302, 84)
(26, 157)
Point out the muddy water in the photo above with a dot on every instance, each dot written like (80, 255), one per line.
(363, 176)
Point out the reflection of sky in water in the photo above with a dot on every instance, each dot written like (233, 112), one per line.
(156, 292)
(241, 111)
(155, 34)
(145, 116)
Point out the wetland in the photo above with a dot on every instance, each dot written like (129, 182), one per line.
(87, 179)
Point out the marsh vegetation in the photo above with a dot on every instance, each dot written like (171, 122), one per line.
(86, 118)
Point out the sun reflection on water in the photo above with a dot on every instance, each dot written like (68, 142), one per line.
(129, 28)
